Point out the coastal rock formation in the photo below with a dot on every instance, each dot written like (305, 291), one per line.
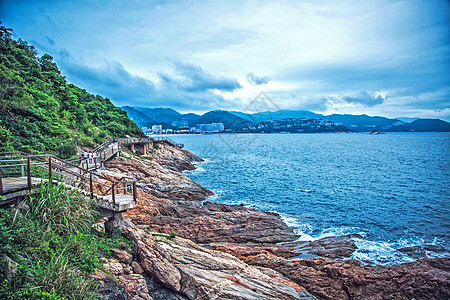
(200, 273)
(330, 279)
(179, 159)
(328, 247)
(257, 255)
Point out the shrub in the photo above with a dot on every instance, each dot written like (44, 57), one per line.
(61, 209)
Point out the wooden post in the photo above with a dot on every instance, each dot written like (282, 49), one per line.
(114, 196)
(132, 148)
(22, 167)
(28, 173)
(50, 169)
(134, 191)
(145, 149)
(1, 183)
(91, 186)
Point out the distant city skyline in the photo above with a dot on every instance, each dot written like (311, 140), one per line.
(383, 58)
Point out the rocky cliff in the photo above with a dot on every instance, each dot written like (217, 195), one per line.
(189, 248)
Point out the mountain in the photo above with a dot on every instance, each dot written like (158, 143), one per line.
(406, 119)
(137, 116)
(425, 125)
(364, 122)
(276, 115)
(166, 115)
(229, 120)
(236, 120)
(42, 113)
(354, 122)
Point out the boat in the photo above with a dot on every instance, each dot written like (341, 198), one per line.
(376, 132)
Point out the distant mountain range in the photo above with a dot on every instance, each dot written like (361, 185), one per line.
(234, 120)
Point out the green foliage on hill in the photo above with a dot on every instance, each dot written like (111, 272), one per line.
(41, 112)
(48, 250)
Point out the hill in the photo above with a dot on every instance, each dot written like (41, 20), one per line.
(425, 125)
(136, 116)
(166, 115)
(41, 112)
(229, 120)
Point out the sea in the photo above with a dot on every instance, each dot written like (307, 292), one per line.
(393, 188)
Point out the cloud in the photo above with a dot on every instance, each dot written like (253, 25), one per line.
(192, 78)
(364, 98)
(189, 88)
(255, 80)
(338, 56)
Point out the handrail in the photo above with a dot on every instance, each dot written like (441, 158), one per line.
(73, 173)
(169, 140)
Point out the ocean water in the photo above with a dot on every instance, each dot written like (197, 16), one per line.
(392, 188)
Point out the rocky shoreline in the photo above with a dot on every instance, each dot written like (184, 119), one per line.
(233, 252)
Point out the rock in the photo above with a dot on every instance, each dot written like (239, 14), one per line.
(276, 265)
(113, 266)
(424, 251)
(198, 273)
(108, 288)
(137, 267)
(327, 279)
(329, 247)
(122, 256)
(160, 292)
(135, 286)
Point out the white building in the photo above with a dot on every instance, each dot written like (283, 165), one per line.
(213, 127)
(157, 128)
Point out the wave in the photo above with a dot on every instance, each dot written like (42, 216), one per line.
(368, 251)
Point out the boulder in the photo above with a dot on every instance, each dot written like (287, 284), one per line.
(122, 256)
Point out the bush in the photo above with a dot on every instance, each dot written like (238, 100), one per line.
(53, 246)
(61, 209)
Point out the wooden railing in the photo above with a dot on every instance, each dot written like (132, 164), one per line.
(133, 140)
(168, 140)
(52, 168)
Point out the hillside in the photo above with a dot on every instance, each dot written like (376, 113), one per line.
(229, 120)
(41, 112)
(425, 125)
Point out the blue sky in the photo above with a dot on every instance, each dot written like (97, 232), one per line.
(388, 58)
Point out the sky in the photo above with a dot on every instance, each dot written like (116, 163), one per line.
(379, 57)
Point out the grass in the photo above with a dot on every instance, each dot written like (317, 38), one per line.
(53, 246)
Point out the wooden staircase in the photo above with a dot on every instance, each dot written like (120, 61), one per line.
(21, 174)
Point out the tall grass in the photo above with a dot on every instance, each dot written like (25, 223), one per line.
(61, 209)
(57, 277)
(53, 246)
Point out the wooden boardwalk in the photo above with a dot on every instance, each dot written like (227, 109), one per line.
(112, 195)
(17, 187)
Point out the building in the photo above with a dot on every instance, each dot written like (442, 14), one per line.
(157, 128)
(213, 127)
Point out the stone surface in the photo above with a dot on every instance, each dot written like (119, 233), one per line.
(268, 262)
(137, 268)
(113, 266)
(135, 286)
(199, 273)
(109, 289)
(122, 255)
(424, 251)
(329, 279)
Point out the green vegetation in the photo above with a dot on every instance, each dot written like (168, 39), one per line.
(48, 249)
(173, 234)
(41, 113)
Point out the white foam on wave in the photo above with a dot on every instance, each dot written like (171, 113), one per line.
(378, 252)
(214, 197)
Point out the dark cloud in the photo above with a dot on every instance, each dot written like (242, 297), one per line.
(192, 78)
(255, 80)
(364, 98)
(191, 88)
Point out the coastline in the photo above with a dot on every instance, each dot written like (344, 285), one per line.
(170, 202)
